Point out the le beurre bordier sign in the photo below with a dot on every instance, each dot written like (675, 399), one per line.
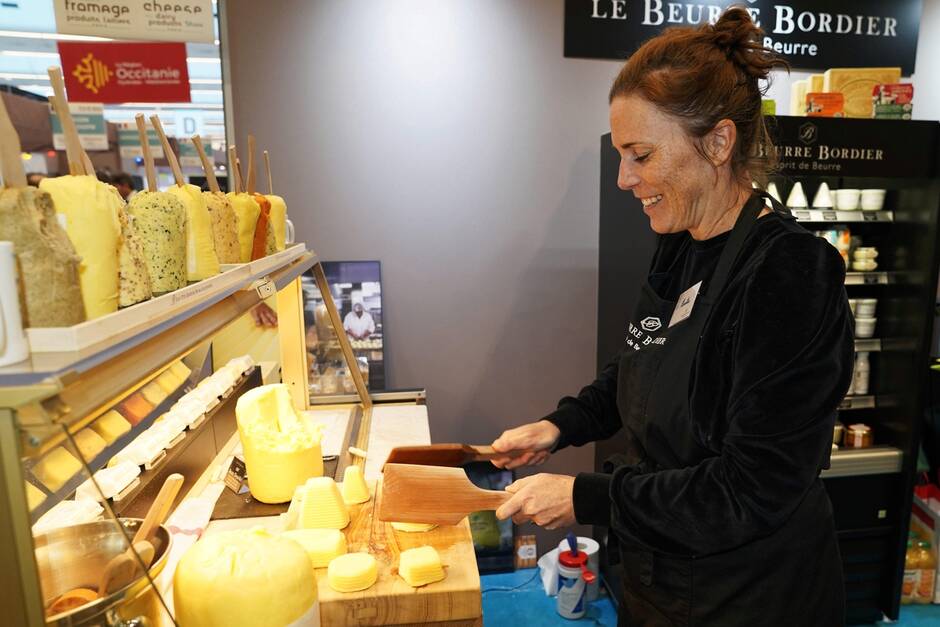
(810, 34)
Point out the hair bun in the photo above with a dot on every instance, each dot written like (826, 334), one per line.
(736, 34)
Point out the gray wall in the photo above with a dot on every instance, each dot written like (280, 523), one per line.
(454, 142)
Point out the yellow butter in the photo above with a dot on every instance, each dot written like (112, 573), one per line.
(111, 426)
(224, 227)
(321, 505)
(355, 489)
(816, 83)
(201, 260)
(134, 285)
(181, 370)
(798, 97)
(420, 566)
(278, 220)
(167, 381)
(321, 545)
(856, 84)
(244, 578)
(412, 527)
(90, 213)
(89, 443)
(57, 467)
(34, 496)
(281, 451)
(154, 393)
(246, 217)
(352, 572)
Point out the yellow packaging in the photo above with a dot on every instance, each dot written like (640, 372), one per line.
(856, 85)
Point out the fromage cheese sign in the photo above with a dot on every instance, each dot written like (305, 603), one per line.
(147, 20)
(810, 34)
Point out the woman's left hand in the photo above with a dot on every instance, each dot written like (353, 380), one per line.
(547, 500)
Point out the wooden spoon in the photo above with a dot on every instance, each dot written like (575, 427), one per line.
(432, 494)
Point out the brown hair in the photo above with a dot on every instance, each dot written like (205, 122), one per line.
(702, 75)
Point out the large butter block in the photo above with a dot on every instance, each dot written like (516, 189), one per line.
(321, 545)
(201, 260)
(856, 84)
(264, 243)
(224, 227)
(133, 276)
(57, 467)
(278, 219)
(281, 451)
(111, 426)
(160, 221)
(89, 443)
(90, 213)
(352, 572)
(247, 212)
(153, 393)
(245, 578)
(420, 566)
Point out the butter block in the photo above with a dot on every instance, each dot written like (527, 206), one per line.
(90, 214)
(160, 221)
(355, 489)
(247, 212)
(181, 370)
(278, 219)
(245, 578)
(201, 260)
(34, 496)
(798, 97)
(420, 566)
(352, 572)
(281, 451)
(321, 505)
(856, 84)
(57, 467)
(135, 408)
(322, 545)
(133, 276)
(153, 393)
(224, 227)
(412, 527)
(816, 83)
(167, 381)
(264, 243)
(89, 443)
(111, 426)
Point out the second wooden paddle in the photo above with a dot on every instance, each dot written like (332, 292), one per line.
(445, 454)
(432, 494)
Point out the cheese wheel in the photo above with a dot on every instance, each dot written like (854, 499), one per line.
(352, 572)
(420, 566)
(160, 221)
(133, 276)
(321, 545)
(412, 527)
(224, 227)
(89, 443)
(246, 217)
(355, 489)
(57, 467)
(281, 450)
(278, 219)
(90, 213)
(111, 426)
(245, 578)
(201, 260)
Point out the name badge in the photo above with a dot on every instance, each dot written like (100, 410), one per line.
(684, 306)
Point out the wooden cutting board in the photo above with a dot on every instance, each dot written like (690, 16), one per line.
(454, 601)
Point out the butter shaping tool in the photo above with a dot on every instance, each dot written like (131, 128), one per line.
(445, 454)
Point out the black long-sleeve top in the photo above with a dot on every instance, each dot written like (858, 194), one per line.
(774, 360)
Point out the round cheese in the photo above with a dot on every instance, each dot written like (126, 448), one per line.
(245, 578)
(352, 572)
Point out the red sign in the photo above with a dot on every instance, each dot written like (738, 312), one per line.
(125, 72)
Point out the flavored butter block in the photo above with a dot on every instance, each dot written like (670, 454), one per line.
(825, 105)
(224, 227)
(278, 220)
(160, 220)
(153, 393)
(856, 85)
(57, 467)
(89, 443)
(816, 83)
(246, 217)
(245, 578)
(90, 213)
(322, 545)
(133, 276)
(201, 260)
(34, 496)
(798, 97)
(281, 451)
(264, 241)
(352, 572)
(111, 426)
(420, 566)
(135, 408)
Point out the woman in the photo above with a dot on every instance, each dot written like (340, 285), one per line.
(726, 389)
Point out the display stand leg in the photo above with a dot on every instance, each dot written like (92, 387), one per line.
(292, 338)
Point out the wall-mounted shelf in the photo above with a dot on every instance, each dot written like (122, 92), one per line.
(867, 278)
(870, 344)
(837, 216)
(857, 402)
(850, 462)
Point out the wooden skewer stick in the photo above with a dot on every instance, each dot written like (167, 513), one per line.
(87, 164)
(170, 155)
(241, 176)
(250, 185)
(207, 166)
(73, 147)
(267, 169)
(148, 156)
(10, 149)
(233, 170)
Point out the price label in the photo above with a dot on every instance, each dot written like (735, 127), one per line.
(846, 404)
(869, 216)
(829, 216)
(236, 476)
(801, 215)
(870, 279)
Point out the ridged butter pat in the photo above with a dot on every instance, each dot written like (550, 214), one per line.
(224, 227)
(352, 572)
(322, 545)
(355, 489)
(90, 213)
(281, 450)
(412, 527)
(57, 467)
(111, 426)
(321, 506)
(278, 219)
(420, 566)
(246, 217)
(160, 221)
(245, 578)
(201, 260)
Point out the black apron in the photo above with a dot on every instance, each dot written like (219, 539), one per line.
(790, 577)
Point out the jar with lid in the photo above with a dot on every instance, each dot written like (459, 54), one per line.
(858, 436)
(927, 566)
(911, 574)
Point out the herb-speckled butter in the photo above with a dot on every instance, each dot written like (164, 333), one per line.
(160, 221)
(224, 227)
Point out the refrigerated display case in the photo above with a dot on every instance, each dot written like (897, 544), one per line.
(870, 488)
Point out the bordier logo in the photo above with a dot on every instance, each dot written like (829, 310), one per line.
(651, 324)
(809, 133)
(92, 73)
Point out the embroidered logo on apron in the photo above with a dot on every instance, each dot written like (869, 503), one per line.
(651, 323)
(637, 339)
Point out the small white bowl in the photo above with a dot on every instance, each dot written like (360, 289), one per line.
(865, 307)
(853, 305)
(847, 199)
(865, 327)
(865, 252)
(873, 199)
(864, 265)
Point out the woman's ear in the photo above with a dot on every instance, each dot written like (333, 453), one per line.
(719, 142)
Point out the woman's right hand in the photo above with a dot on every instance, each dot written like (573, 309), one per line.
(535, 438)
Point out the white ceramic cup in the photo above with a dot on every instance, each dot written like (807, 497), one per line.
(865, 252)
(864, 265)
(13, 345)
(865, 327)
(847, 199)
(853, 305)
(873, 199)
(289, 232)
(865, 308)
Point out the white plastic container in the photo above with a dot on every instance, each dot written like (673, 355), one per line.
(847, 199)
(866, 307)
(853, 305)
(112, 482)
(590, 547)
(571, 601)
(873, 199)
(864, 265)
(865, 252)
(862, 371)
(864, 328)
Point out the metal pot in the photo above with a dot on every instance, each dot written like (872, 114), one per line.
(74, 557)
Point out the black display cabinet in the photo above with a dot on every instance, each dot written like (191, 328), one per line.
(870, 488)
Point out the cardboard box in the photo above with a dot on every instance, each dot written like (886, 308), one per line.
(925, 521)
(822, 105)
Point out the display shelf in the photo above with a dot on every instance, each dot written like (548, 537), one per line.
(876, 460)
(839, 216)
(872, 345)
(867, 278)
(397, 396)
(857, 402)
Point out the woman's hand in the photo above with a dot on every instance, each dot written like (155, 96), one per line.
(547, 500)
(535, 438)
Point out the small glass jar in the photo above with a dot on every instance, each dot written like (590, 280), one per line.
(858, 436)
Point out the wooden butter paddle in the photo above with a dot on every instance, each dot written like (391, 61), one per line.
(432, 494)
(445, 454)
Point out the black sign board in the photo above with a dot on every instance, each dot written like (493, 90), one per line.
(810, 34)
(851, 147)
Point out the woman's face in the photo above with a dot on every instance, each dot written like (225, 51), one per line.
(659, 164)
